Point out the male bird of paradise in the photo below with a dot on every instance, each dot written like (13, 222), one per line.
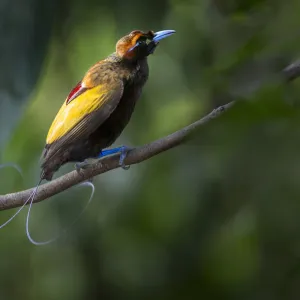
(99, 107)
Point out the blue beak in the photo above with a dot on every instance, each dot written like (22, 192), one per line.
(162, 34)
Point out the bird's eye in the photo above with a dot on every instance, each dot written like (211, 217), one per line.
(141, 41)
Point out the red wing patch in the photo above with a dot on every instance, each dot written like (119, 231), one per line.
(77, 90)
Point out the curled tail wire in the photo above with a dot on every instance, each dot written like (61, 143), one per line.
(87, 183)
(12, 165)
(30, 200)
(32, 195)
(17, 167)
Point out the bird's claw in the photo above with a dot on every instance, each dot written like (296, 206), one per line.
(123, 153)
(125, 167)
(85, 164)
(82, 165)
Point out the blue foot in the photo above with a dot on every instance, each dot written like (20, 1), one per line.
(123, 150)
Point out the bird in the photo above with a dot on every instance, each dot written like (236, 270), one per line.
(99, 107)
(96, 111)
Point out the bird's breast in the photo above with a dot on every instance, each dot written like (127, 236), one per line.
(141, 73)
(118, 120)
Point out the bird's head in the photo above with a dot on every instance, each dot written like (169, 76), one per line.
(139, 44)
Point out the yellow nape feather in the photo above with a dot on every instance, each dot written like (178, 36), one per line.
(71, 114)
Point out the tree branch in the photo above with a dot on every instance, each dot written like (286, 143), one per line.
(134, 156)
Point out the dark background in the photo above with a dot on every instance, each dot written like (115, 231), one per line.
(216, 218)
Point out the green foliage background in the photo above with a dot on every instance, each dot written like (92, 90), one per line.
(216, 218)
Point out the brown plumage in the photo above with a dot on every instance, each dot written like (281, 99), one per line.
(98, 109)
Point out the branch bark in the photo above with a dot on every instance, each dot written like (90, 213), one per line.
(134, 156)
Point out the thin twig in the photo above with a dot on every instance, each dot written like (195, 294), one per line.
(134, 156)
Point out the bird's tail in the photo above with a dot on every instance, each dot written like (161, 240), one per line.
(87, 183)
(30, 198)
(16, 167)
(30, 201)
